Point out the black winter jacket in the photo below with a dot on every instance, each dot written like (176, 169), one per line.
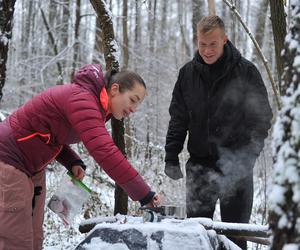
(224, 105)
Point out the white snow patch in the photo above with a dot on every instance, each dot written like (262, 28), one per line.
(277, 194)
(97, 243)
(296, 63)
(290, 247)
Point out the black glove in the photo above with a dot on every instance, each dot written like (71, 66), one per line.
(147, 199)
(172, 169)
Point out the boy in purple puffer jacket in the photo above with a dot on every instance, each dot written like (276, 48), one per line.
(41, 130)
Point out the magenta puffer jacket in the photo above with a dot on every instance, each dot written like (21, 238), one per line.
(42, 129)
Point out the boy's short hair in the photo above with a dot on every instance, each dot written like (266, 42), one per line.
(209, 23)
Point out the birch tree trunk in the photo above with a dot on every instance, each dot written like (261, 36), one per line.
(137, 35)
(285, 200)
(125, 35)
(121, 198)
(54, 46)
(137, 29)
(211, 7)
(163, 23)
(128, 130)
(198, 10)
(98, 47)
(234, 23)
(76, 37)
(185, 43)
(6, 16)
(260, 25)
(152, 116)
(65, 28)
(26, 29)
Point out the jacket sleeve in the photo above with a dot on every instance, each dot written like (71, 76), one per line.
(68, 158)
(178, 124)
(83, 112)
(258, 113)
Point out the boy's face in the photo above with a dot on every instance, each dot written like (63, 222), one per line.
(122, 104)
(211, 45)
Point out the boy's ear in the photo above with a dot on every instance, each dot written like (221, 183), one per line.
(114, 89)
(225, 39)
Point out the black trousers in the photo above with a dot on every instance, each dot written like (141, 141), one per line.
(206, 184)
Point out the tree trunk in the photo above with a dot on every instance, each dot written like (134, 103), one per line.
(182, 26)
(54, 46)
(260, 26)
(65, 28)
(98, 47)
(137, 35)
(26, 29)
(285, 209)
(76, 53)
(261, 22)
(279, 32)
(233, 26)
(198, 7)
(128, 131)
(52, 13)
(121, 198)
(108, 34)
(137, 29)
(6, 16)
(211, 7)
(125, 35)
(151, 131)
(152, 26)
(163, 22)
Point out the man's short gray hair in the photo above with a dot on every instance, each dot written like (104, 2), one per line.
(209, 23)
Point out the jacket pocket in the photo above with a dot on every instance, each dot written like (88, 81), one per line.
(13, 185)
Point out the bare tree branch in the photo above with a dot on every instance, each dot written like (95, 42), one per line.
(54, 45)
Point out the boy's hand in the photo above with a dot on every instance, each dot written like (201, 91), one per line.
(172, 170)
(155, 201)
(78, 172)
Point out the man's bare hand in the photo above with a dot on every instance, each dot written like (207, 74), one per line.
(156, 200)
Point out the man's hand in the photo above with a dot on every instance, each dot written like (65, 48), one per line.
(173, 170)
(78, 172)
(155, 201)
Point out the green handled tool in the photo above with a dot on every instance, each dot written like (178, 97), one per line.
(79, 183)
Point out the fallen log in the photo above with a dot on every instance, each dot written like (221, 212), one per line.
(250, 232)
(87, 225)
(257, 240)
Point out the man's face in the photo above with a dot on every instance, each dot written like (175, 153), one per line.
(211, 45)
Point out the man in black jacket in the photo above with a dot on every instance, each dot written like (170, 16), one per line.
(221, 101)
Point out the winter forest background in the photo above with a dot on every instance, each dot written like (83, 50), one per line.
(50, 39)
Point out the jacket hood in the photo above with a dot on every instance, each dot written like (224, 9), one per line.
(90, 77)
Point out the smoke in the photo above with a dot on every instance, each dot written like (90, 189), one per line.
(222, 180)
